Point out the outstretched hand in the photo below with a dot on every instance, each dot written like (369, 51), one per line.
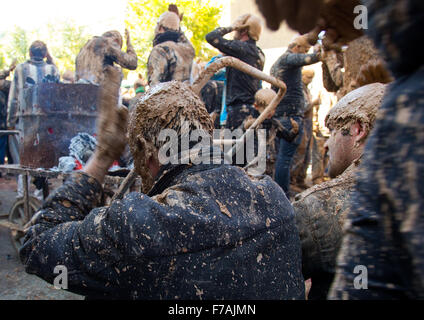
(127, 36)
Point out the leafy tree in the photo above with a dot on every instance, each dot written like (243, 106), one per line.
(64, 41)
(200, 17)
(18, 44)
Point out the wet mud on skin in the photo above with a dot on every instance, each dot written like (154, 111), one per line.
(365, 99)
(15, 283)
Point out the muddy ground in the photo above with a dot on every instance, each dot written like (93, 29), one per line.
(15, 283)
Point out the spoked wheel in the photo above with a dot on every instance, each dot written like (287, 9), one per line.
(17, 217)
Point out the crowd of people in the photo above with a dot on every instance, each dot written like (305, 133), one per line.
(210, 230)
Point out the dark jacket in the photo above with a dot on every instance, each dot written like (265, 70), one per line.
(204, 232)
(288, 68)
(385, 227)
(241, 88)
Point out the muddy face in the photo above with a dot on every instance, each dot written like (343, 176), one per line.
(340, 147)
(167, 105)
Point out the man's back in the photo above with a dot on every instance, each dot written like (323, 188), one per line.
(205, 232)
(28, 74)
(288, 68)
(98, 52)
(170, 60)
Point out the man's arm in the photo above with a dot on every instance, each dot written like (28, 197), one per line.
(128, 59)
(300, 59)
(234, 48)
(70, 230)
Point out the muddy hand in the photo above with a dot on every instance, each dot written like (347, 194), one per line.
(127, 36)
(295, 126)
(112, 119)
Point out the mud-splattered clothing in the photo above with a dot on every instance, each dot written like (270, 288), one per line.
(101, 51)
(240, 87)
(211, 95)
(320, 213)
(385, 228)
(288, 68)
(170, 59)
(27, 74)
(203, 232)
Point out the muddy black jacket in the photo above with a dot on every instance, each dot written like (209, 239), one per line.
(204, 232)
(241, 87)
(288, 68)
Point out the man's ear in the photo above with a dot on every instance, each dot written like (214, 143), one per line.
(360, 132)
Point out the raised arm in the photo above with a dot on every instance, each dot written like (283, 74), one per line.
(128, 59)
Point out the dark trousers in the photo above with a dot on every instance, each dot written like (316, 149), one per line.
(286, 152)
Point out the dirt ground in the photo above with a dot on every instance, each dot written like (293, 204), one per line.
(15, 283)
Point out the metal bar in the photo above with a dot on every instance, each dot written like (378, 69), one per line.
(128, 181)
(26, 196)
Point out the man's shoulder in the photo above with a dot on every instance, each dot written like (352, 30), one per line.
(328, 193)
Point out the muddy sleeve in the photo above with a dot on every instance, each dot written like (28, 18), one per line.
(157, 66)
(232, 48)
(127, 60)
(68, 232)
(334, 69)
(12, 105)
(300, 59)
(310, 249)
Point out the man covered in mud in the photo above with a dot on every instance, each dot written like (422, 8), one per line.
(321, 210)
(358, 65)
(40, 68)
(101, 51)
(172, 55)
(273, 128)
(203, 229)
(240, 87)
(385, 226)
(288, 68)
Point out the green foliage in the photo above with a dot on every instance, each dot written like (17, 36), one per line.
(200, 17)
(64, 41)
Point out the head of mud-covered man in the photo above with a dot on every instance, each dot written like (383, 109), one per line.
(349, 127)
(202, 231)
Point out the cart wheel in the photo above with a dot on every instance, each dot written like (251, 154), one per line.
(17, 216)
